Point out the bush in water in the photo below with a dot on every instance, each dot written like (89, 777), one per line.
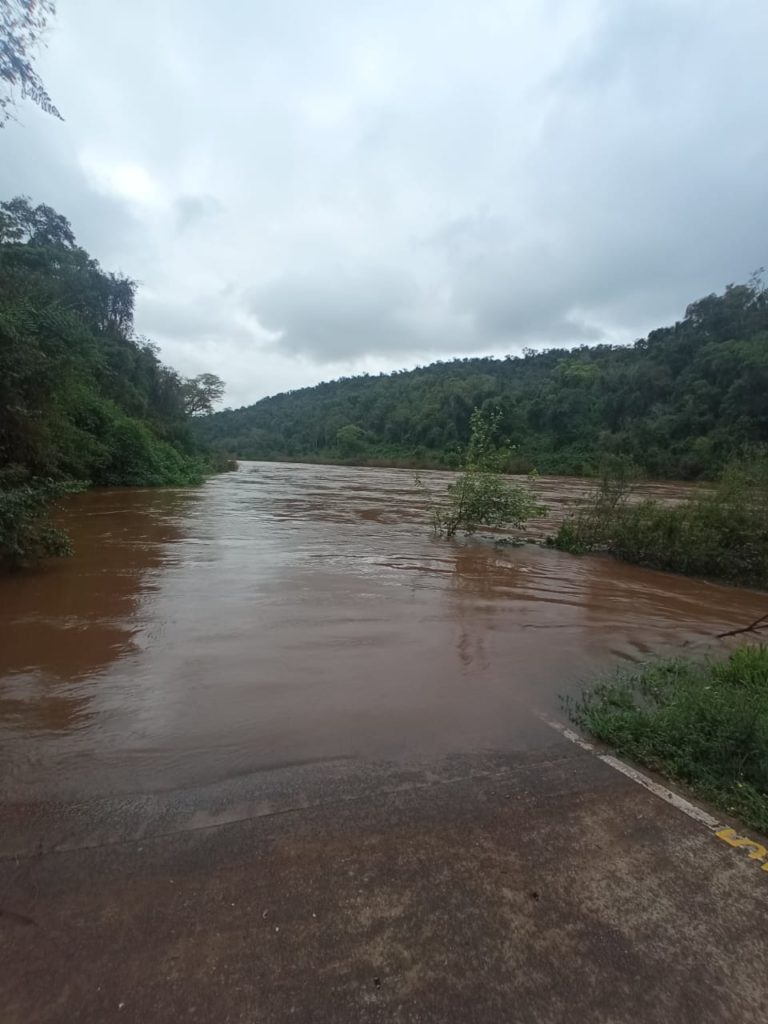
(721, 533)
(26, 534)
(481, 496)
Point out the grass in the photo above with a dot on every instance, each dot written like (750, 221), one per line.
(702, 723)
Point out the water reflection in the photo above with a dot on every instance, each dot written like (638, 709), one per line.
(68, 621)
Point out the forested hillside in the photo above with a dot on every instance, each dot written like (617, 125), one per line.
(681, 403)
(80, 395)
(82, 399)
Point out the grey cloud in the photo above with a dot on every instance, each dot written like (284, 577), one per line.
(192, 318)
(44, 166)
(338, 315)
(389, 183)
(190, 210)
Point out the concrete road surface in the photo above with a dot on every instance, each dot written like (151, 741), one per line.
(537, 886)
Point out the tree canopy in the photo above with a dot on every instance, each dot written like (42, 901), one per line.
(81, 396)
(680, 403)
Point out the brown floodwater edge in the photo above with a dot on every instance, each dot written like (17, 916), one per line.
(294, 613)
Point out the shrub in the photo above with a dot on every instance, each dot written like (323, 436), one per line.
(479, 499)
(138, 458)
(481, 496)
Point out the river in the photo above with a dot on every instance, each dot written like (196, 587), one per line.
(288, 614)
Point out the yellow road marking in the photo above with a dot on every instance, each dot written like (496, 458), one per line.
(759, 852)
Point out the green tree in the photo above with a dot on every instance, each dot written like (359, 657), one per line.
(201, 393)
(350, 440)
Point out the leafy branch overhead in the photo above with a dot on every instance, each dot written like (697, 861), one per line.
(22, 26)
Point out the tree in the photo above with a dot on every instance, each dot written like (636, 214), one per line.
(350, 440)
(40, 225)
(22, 26)
(201, 393)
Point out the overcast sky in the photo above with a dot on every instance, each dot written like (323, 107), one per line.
(310, 188)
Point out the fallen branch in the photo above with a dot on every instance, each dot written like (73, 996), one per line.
(753, 627)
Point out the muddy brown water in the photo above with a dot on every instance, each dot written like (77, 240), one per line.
(286, 614)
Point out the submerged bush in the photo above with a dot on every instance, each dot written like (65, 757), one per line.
(721, 533)
(481, 497)
(701, 723)
(26, 533)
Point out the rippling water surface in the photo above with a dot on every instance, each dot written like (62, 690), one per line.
(286, 614)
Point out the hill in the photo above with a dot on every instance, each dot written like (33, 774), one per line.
(681, 403)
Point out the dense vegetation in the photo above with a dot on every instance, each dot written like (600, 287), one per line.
(720, 533)
(81, 397)
(681, 403)
(702, 723)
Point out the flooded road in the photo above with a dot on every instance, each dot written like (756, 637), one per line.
(288, 614)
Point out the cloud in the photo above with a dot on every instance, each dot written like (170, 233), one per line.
(191, 210)
(319, 189)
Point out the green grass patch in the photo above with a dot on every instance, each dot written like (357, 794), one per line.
(702, 723)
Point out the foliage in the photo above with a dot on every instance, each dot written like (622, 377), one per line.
(201, 393)
(720, 533)
(81, 396)
(589, 527)
(681, 403)
(481, 496)
(26, 534)
(22, 26)
(702, 723)
(350, 441)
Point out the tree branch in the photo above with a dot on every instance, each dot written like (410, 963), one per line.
(753, 627)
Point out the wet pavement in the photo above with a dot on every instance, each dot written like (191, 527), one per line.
(533, 887)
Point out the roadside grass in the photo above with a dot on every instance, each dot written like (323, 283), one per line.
(702, 723)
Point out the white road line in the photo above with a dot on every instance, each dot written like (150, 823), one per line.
(697, 813)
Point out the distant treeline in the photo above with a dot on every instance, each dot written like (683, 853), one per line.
(681, 403)
(81, 397)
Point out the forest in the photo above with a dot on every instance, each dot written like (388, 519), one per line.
(682, 403)
(83, 400)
